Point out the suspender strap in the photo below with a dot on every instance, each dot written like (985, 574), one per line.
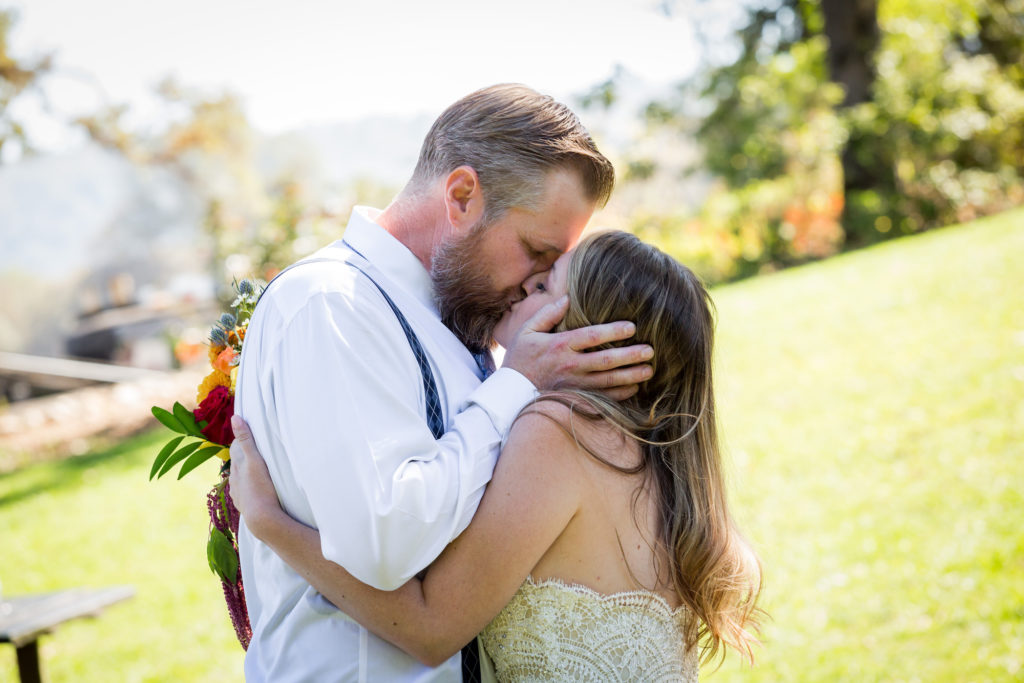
(435, 416)
(435, 419)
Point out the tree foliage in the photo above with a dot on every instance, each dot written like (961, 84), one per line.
(257, 224)
(840, 123)
(18, 76)
(259, 215)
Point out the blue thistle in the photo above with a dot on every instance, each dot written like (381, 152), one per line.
(218, 336)
(227, 321)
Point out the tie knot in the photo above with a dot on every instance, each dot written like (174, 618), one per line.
(485, 362)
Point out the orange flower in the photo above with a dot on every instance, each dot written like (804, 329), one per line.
(214, 379)
(223, 362)
(215, 350)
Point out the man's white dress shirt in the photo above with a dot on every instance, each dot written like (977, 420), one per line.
(334, 396)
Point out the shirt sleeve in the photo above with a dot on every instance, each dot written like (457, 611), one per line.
(386, 496)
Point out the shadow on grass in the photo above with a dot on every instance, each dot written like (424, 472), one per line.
(48, 476)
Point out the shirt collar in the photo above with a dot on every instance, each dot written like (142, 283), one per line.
(389, 256)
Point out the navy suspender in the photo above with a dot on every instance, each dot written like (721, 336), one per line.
(435, 416)
(435, 419)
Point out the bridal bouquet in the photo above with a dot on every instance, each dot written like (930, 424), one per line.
(205, 433)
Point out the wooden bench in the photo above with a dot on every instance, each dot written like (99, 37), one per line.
(24, 619)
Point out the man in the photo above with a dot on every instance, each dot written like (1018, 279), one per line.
(337, 394)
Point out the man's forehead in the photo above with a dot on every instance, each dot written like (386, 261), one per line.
(564, 211)
(554, 237)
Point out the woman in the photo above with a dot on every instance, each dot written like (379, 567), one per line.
(603, 548)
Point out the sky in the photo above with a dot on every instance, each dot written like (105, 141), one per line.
(305, 62)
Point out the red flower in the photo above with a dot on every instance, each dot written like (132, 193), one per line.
(217, 409)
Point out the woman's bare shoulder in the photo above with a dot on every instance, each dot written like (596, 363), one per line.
(567, 424)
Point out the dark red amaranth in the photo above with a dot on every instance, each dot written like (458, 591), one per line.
(224, 516)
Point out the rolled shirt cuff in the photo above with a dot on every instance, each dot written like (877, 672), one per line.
(502, 396)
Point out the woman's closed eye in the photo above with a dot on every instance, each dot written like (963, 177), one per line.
(536, 283)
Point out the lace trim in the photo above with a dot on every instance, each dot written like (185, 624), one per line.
(553, 630)
(619, 598)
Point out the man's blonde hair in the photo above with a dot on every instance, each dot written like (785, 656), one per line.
(512, 136)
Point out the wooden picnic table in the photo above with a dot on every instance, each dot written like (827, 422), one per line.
(25, 618)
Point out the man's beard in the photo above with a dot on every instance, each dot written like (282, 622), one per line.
(469, 305)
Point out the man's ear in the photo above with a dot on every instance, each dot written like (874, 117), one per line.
(463, 199)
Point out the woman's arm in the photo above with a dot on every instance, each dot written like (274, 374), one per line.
(534, 494)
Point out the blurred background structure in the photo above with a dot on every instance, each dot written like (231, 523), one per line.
(150, 153)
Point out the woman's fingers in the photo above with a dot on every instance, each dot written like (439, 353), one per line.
(243, 444)
(251, 485)
(241, 429)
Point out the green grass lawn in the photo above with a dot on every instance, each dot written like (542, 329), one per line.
(873, 411)
(873, 407)
(96, 521)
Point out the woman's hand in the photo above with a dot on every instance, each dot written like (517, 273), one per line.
(252, 489)
(526, 507)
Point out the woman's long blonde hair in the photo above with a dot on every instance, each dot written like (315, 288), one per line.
(615, 276)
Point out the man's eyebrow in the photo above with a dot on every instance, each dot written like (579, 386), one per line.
(545, 248)
(541, 247)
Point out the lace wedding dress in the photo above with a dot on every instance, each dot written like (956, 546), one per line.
(552, 631)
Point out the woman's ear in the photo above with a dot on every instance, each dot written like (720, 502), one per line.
(463, 198)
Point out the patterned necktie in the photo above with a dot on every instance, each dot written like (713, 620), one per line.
(484, 361)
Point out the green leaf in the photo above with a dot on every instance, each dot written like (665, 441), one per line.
(187, 420)
(197, 459)
(209, 549)
(178, 456)
(169, 421)
(222, 556)
(165, 453)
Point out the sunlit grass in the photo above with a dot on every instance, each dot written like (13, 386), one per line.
(873, 409)
(96, 521)
(873, 406)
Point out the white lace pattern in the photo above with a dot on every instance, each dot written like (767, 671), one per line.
(553, 631)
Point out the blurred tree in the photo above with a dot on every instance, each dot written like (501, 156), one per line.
(256, 225)
(259, 213)
(208, 142)
(851, 27)
(18, 76)
(604, 94)
(849, 121)
(945, 118)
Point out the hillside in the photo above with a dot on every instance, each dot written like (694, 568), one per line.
(872, 407)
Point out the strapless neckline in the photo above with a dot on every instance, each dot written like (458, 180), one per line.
(555, 630)
(618, 597)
